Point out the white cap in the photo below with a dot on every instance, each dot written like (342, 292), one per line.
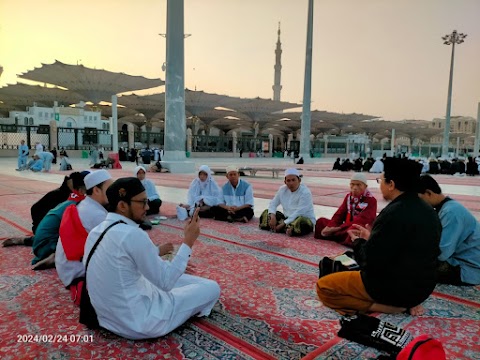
(292, 171)
(95, 178)
(358, 176)
(231, 168)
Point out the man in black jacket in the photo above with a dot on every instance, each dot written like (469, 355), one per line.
(397, 257)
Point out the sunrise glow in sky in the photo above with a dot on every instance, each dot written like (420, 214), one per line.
(377, 57)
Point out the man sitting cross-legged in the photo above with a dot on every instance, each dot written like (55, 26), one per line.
(358, 207)
(397, 258)
(134, 292)
(298, 216)
(237, 199)
(459, 259)
(77, 222)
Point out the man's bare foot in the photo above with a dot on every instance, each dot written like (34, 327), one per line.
(417, 310)
(242, 219)
(14, 241)
(289, 231)
(47, 263)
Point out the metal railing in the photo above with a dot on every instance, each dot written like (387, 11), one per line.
(11, 135)
(83, 139)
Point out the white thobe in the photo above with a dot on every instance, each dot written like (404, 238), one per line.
(135, 293)
(294, 204)
(377, 167)
(91, 213)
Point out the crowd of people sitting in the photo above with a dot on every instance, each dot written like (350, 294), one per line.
(420, 238)
(440, 165)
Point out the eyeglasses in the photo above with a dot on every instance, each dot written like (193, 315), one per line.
(144, 202)
(379, 180)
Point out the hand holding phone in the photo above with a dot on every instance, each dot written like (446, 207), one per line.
(192, 229)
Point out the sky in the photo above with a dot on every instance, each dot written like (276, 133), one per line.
(376, 57)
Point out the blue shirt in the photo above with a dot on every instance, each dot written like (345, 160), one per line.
(23, 150)
(241, 195)
(460, 241)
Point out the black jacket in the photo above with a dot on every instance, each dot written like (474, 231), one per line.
(398, 262)
(48, 202)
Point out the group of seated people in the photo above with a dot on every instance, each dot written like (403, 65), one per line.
(453, 166)
(92, 233)
(358, 164)
(134, 292)
(433, 165)
(420, 238)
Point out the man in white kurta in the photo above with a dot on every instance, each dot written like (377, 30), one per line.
(296, 200)
(91, 212)
(135, 293)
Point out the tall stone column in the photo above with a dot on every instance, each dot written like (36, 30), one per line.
(234, 143)
(175, 121)
(270, 144)
(114, 129)
(289, 139)
(477, 133)
(131, 135)
(189, 140)
(307, 90)
(53, 134)
(392, 144)
(325, 139)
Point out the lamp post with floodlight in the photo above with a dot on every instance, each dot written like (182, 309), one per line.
(450, 39)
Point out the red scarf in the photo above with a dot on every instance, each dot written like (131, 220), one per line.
(76, 196)
(353, 203)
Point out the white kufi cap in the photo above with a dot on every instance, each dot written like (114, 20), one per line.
(95, 178)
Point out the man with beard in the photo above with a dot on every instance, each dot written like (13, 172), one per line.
(135, 293)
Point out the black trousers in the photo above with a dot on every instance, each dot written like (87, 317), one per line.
(222, 214)
(154, 206)
(448, 274)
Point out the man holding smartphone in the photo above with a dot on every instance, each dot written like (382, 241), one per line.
(135, 293)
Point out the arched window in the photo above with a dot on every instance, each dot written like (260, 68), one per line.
(25, 121)
(30, 121)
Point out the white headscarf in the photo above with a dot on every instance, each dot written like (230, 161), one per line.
(137, 169)
(205, 169)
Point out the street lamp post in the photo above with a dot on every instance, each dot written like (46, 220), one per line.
(450, 39)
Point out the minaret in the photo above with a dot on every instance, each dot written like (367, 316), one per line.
(278, 68)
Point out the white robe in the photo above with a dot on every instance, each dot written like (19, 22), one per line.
(210, 193)
(377, 167)
(91, 213)
(135, 293)
(294, 204)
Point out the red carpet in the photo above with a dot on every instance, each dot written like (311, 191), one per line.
(268, 308)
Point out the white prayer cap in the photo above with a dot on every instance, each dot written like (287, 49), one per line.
(137, 169)
(293, 171)
(358, 176)
(231, 168)
(95, 178)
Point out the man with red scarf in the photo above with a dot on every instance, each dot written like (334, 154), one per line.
(358, 207)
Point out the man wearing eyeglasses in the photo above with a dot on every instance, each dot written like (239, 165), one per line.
(135, 293)
(397, 257)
